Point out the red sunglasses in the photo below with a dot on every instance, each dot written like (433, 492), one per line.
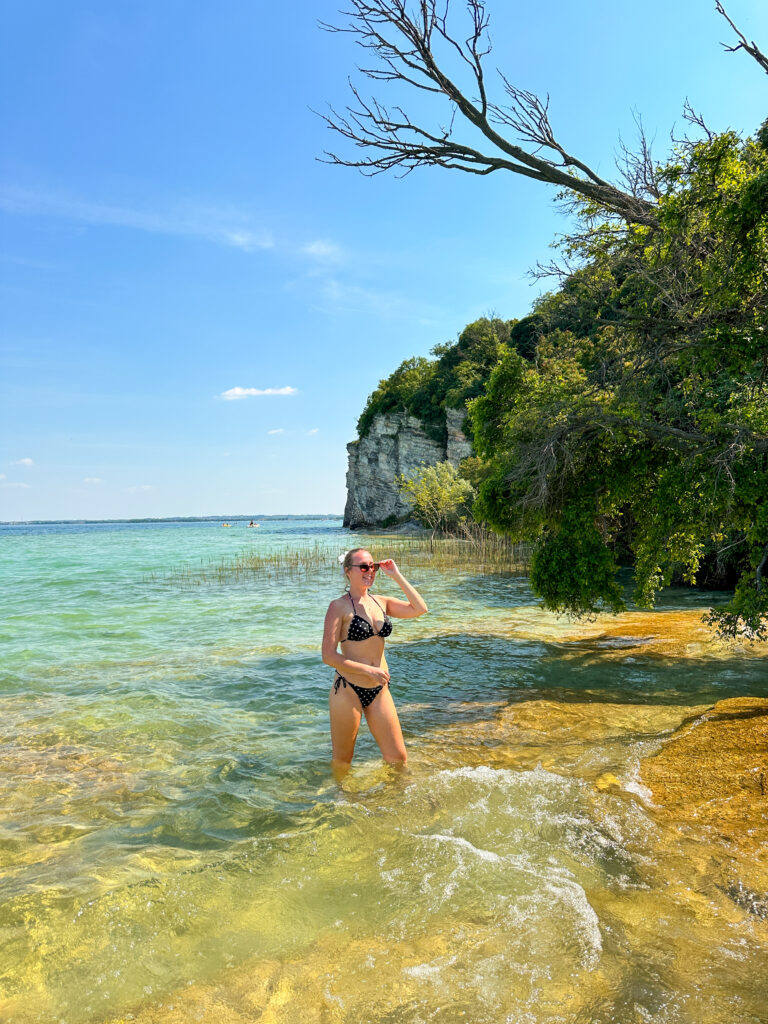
(366, 566)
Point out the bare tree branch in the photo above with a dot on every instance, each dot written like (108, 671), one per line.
(405, 47)
(751, 48)
(637, 167)
(692, 117)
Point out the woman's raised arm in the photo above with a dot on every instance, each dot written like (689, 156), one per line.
(414, 606)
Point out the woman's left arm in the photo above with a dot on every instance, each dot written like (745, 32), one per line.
(414, 606)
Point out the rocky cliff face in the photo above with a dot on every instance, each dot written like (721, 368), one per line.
(396, 444)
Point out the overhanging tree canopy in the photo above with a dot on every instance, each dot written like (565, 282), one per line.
(639, 419)
(643, 424)
(414, 45)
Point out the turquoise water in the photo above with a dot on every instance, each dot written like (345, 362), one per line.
(168, 814)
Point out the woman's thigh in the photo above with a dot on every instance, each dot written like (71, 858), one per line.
(384, 724)
(345, 721)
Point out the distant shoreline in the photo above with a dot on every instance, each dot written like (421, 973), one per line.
(165, 519)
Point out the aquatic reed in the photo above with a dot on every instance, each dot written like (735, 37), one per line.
(474, 549)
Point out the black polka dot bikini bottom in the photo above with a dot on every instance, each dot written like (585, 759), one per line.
(367, 694)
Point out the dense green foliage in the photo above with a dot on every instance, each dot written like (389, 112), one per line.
(437, 495)
(625, 420)
(426, 387)
(640, 430)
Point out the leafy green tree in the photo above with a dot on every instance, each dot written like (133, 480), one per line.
(627, 416)
(396, 392)
(642, 425)
(437, 495)
(425, 388)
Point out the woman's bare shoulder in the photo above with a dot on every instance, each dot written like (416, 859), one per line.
(338, 605)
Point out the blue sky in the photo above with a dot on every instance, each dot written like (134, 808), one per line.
(167, 234)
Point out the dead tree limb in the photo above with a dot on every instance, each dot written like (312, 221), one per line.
(404, 45)
(750, 47)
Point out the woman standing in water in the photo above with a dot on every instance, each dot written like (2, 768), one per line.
(360, 622)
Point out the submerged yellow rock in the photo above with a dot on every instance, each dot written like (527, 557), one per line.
(716, 766)
(711, 779)
(607, 781)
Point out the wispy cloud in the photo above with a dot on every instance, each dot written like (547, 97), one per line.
(2, 476)
(138, 488)
(234, 393)
(222, 224)
(12, 483)
(22, 462)
(314, 430)
(320, 249)
(342, 296)
(278, 430)
(92, 480)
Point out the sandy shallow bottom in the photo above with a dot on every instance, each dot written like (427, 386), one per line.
(553, 859)
(686, 939)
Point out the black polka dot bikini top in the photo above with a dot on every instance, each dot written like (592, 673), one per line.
(361, 629)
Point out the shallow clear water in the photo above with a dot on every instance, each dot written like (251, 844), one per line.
(172, 844)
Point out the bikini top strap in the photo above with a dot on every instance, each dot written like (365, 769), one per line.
(354, 610)
(381, 609)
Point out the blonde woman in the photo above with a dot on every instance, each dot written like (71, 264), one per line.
(360, 623)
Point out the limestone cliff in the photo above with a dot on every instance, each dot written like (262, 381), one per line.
(395, 444)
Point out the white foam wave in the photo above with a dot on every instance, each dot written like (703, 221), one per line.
(587, 924)
(464, 844)
(424, 972)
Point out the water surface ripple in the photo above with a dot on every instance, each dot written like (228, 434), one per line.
(173, 847)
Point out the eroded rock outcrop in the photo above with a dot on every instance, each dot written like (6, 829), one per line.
(395, 444)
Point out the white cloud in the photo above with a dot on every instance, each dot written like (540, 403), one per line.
(234, 393)
(222, 224)
(10, 483)
(322, 250)
(314, 430)
(2, 476)
(137, 489)
(278, 430)
(23, 462)
(92, 480)
(247, 240)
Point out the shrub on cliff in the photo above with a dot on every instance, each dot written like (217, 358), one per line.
(396, 392)
(425, 388)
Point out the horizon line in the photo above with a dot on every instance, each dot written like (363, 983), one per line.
(172, 519)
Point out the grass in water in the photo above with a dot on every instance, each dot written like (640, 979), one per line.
(476, 549)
